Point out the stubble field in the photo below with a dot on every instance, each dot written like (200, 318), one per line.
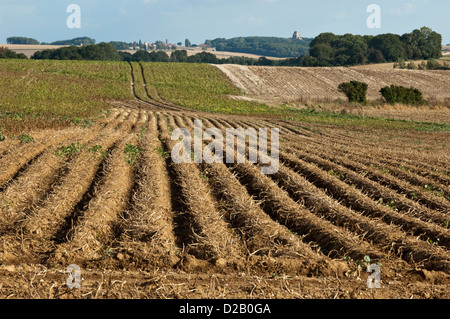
(311, 84)
(107, 197)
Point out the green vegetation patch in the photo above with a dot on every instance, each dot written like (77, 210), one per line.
(321, 117)
(398, 94)
(70, 88)
(69, 150)
(355, 91)
(205, 88)
(58, 89)
(200, 87)
(132, 153)
(25, 138)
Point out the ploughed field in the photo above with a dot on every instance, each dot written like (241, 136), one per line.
(289, 84)
(108, 198)
(335, 199)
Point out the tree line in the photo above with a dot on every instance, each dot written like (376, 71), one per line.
(329, 49)
(356, 93)
(31, 41)
(266, 46)
(108, 52)
(76, 41)
(22, 40)
(431, 64)
(94, 52)
(182, 56)
(8, 54)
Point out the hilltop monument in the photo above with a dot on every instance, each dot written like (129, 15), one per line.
(297, 36)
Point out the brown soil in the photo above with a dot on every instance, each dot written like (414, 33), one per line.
(160, 230)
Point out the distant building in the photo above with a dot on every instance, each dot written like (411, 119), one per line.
(297, 36)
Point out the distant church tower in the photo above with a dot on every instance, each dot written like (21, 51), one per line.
(297, 35)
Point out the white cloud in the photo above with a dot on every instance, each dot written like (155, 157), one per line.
(407, 9)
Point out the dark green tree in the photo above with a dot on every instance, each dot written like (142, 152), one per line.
(355, 91)
(264, 61)
(375, 56)
(390, 45)
(423, 44)
(324, 38)
(324, 53)
(8, 54)
(95, 52)
(309, 61)
(354, 47)
(398, 94)
(22, 40)
(179, 56)
(203, 57)
(119, 45)
(125, 56)
(76, 41)
(142, 56)
(160, 56)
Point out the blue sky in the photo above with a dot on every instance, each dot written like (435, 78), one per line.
(198, 20)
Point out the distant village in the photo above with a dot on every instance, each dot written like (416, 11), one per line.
(251, 45)
(167, 46)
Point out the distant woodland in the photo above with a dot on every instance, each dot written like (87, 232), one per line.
(327, 49)
(31, 41)
(265, 46)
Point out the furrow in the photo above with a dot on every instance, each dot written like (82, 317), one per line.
(39, 177)
(421, 196)
(386, 237)
(91, 237)
(262, 235)
(386, 155)
(386, 161)
(147, 236)
(354, 199)
(43, 226)
(199, 225)
(13, 162)
(276, 203)
(372, 189)
(382, 234)
(89, 231)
